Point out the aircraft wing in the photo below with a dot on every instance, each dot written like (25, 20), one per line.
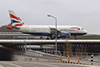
(58, 31)
(53, 31)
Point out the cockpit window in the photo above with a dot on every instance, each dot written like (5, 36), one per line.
(82, 28)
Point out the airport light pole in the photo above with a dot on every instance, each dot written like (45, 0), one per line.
(55, 32)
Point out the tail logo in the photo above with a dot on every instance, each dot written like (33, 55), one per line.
(16, 21)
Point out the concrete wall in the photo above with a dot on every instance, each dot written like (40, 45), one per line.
(26, 58)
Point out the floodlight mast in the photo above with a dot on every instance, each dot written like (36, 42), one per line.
(55, 32)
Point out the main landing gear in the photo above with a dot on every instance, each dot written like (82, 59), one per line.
(75, 37)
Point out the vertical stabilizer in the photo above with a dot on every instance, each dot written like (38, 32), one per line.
(15, 20)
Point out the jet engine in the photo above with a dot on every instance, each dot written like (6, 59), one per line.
(64, 35)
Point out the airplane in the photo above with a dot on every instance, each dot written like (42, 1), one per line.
(63, 31)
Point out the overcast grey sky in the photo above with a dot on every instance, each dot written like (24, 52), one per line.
(85, 13)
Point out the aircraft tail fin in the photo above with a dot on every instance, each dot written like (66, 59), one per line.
(15, 20)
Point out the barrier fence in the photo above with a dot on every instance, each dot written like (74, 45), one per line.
(82, 56)
(68, 57)
(73, 55)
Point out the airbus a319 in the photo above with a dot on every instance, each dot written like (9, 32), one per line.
(63, 31)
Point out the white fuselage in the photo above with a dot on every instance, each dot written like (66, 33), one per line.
(36, 29)
(45, 30)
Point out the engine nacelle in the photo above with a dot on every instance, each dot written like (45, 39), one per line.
(64, 35)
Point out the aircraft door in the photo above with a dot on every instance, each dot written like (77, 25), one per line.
(26, 29)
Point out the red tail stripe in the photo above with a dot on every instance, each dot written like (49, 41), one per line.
(12, 16)
(9, 27)
(23, 23)
(19, 18)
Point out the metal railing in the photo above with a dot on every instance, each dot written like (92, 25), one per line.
(73, 55)
(43, 54)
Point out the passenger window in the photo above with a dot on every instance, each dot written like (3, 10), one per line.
(79, 29)
(82, 29)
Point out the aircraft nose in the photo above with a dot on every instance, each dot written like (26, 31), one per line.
(85, 31)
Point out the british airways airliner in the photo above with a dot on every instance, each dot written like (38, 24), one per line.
(44, 30)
